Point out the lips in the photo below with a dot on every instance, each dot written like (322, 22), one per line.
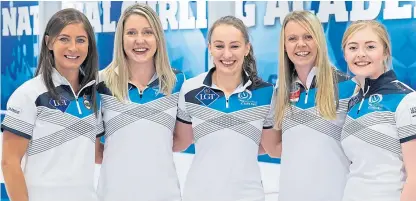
(71, 57)
(140, 49)
(362, 63)
(227, 63)
(302, 53)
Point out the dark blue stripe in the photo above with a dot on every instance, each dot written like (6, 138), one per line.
(16, 132)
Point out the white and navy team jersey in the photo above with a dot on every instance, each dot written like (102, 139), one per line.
(313, 164)
(227, 133)
(380, 118)
(138, 158)
(59, 161)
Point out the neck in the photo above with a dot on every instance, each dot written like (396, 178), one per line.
(72, 76)
(227, 83)
(141, 74)
(303, 73)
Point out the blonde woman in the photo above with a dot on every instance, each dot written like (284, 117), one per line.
(311, 107)
(140, 92)
(380, 131)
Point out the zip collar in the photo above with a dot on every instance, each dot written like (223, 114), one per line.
(243, 86)
(373, 86)
(310, 80)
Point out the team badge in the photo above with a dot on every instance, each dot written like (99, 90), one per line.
(294, 93)
(87, 102)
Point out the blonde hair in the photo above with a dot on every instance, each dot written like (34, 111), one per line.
(118, 72)
(325, 78)
(379, 29)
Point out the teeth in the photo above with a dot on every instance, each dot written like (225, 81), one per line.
(140, 49)
(302, 53)
(71, 57)
(227, 62)
(362, 63)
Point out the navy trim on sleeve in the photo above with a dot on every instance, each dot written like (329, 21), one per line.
(16, 132)
(407, 139)
(183, 121)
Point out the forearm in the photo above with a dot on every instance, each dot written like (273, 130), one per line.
(180, 144)
(15, 182)
(99, 151)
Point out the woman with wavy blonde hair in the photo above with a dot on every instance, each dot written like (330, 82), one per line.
(310, 111)
(140, 93)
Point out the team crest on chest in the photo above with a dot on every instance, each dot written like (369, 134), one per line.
(61, 104)
(245, 98)
(207, 96)
(374, 102)
(87, 102)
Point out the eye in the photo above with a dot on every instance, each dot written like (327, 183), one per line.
(64, 39)
(81, 40)
(219, 46)
(234, 46)
(147, 32)
(291, 38)
(352, 48)
(308, 37)
(131, 33)
(371, 47)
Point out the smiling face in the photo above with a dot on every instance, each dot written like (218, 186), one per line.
(228, 48)
(70, 47)
(300, 45)
(139, 41)
(364, 53)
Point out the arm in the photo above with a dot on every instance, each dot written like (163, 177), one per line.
(14, 148)
(409, 189)
(271, 141)
(406, 130)
(99, 151)
(182, 136)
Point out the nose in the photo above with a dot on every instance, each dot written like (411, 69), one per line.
(227, 53)
(301, 43)
(72, 46)
(361, 53)
(139, 38)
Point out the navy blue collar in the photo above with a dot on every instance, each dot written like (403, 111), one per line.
(373, 86)
(208, 78)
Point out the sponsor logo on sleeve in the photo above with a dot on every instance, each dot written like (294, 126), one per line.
(14, 110)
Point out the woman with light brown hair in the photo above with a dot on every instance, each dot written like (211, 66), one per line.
(380, 130)
(310, 111)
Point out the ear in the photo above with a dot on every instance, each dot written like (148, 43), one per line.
(47, 43)
(248, 48)
(209, 49)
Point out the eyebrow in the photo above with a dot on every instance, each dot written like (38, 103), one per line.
(70, 36)
(355, 43)
(219, 41)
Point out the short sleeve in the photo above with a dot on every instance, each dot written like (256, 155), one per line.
(406, 118)
(100, 122)
(270, 118)
(182, 115)
(20, 115)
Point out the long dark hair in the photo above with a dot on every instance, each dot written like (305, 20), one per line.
(47, 61)
(249, 63)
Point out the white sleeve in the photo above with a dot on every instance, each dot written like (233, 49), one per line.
(406, 118)
(21, 114)
(182, 115)
(270, 118)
